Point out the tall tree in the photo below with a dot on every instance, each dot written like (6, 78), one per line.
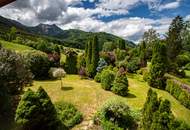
(92, 56)
(143, 58)
(151, 105)
(158, 66)
(121, 44)
(150, 37)
(174, 40)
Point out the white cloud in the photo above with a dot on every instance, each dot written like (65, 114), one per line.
(171, 5)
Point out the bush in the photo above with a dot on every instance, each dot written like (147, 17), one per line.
(107, 78)
(97, 78)
(176, 89)
(36, 112)
(68, 114)
(187, 67)
(38, 63)
(183, 59)
(120, 85)
(114, 115)
(133, 65)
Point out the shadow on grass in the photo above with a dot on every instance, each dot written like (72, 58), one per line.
(66, 88)
(129, 95)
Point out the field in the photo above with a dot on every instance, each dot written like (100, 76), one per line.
(14, 46)
(88, 95)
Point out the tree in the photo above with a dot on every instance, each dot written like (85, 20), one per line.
(109, 46)
(12, 34)
(150, 37)
(36, 111)
(174, 40)
(92, 56)
(59, 73)
(71, 62)
(185, 35)
(38, 63)
(14, 75)
(158, 66)
(151, 105)
(121, 44)
(143, 58)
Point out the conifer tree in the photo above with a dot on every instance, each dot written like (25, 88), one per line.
(92, 56)
(121, 44)
(174, 41)
(151, 105)
(158, 66)
(36, 112)
(143, 59)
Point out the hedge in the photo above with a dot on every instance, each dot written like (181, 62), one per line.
(179, 91)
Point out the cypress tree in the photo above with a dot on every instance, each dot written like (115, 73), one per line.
(143, 59)
(158, 66)
(92, 56)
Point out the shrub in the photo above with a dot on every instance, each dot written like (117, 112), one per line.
(176, 89)
(107, 78)
(68, 114)
(97, 78)
(36, 111)
(101, 65)
(120, 85)
(187, 67)
(133, 65)
(114, 115)
(183, 59)
(38, 63)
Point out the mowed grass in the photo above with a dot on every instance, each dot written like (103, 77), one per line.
(88, 95)
(14, 46)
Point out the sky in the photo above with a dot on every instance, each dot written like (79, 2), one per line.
(125, 18)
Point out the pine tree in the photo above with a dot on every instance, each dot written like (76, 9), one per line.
(151, 105)
(143, 59)
(158, 66)
(174, 41)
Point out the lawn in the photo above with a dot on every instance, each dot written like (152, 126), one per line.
(14, 46)
(88, 95)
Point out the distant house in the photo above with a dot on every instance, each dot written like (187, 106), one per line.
(5, 2)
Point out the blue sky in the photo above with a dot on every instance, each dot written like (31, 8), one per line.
(125, 18)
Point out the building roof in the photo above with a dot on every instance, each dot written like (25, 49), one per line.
(5, 2)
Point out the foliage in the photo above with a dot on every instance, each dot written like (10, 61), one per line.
(115, 115)
(150, 106)
(101, 65)
(174, 40)
(187, 66)
(183, 59)
(71, 62)
(14, 75)
(120, 84)
(185, 35)
(36, 111)
(38, 63)
(179, 91)
(158, 67)
(92, 56)
(150, 37)
(81, 62)
(143, 56)
(82, 72)
(133, 65)
(109, 57)
(59, 73)
(121, 44)
(97, 78)
(120, 55)
(109, 46)
(107, 78)
(68, 114)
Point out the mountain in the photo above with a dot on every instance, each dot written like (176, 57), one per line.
(70, 38)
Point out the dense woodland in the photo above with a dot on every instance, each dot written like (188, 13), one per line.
(104, 58)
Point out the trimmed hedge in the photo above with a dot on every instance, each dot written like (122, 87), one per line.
(107, 78)
(179, 91)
